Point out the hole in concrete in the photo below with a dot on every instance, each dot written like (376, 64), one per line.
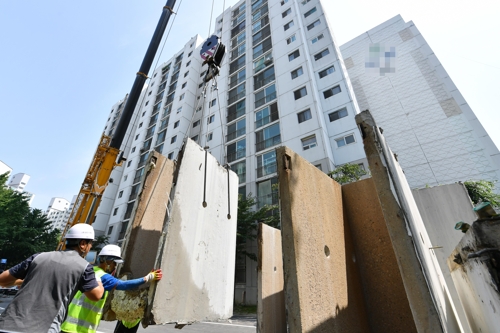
(353, 258)
(275, 268)
(327, 252)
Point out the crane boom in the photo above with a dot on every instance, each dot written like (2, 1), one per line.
(106, 156)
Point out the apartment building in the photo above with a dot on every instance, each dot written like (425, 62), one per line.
(58, 212)
(284, 81)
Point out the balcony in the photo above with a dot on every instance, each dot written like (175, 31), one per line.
(235, 134)
(234, 115)
(236, 155)
(275, 140)
(235, 98)
(266, 170)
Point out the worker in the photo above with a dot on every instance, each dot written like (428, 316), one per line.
(50, 281)
(84, 314)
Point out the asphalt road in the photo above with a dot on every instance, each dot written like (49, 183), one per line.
(237, 324)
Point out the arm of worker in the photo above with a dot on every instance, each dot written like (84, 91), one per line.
(17, 273)
(110, 282)
(91, 285)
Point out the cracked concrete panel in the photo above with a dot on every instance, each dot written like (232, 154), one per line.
(271, 317)
(198, 255)
(322, 291)
(375, 258)
(143, 236)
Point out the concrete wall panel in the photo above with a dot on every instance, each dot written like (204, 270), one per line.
(375, 258)
(143, 235)
(271, 316)
(321, 292)
(198, 255)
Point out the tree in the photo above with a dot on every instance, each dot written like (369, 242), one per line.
(247, 222)
(100, 242)
(347, 173)
(481, 191)
(23, 231)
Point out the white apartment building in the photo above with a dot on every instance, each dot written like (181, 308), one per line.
(4, 168)
(18, 182)
(284, 81)
(58, 212)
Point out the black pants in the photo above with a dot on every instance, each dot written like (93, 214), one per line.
(122, 329)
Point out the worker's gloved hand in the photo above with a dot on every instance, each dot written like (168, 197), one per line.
(155, 275)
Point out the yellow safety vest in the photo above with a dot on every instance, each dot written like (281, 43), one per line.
(84, 315)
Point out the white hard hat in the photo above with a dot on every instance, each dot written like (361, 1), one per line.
(80, 231)
(113, 251)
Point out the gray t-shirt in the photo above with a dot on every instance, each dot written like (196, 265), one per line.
(51, 280)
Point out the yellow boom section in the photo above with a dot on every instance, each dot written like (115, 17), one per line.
(93, 186)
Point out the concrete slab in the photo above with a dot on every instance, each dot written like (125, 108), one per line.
(375, 258)
(441, 207)
(475, 271)
(143, 235)
(198, 254)
(271, 317)
(322, 293)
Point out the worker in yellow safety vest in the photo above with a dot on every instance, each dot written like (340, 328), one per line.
(84, 315)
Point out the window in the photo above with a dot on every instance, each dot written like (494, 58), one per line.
(326, 72)
(133, 149)
(236, 150)
(238, 39)
(265, 77)
(291, 39)
(173, 139)
(304, 116)
(200, 85)
(140, 125)
(298, 94)
(286, 12)
(170, 156)
(149, 94)
(188, 63)
(262, 48)
(305, 1)
(296, 73)
(237, 78)
(125, 178)
(241, 170)
(236, 129)
(322, 54)
(261, 35)
(346, 140)
(237, 64)
(212, 103)
(267, 194)
(137, 136)
(294, 55)
(268, 137)
(196, 123)
(332, 91)
(284, 2)
(189, 54)
(110, 230)
(129, 163)
(210, 136)
(309, 12)
(236, 93)
(160, 138)
(210, 119)
(145, 104)
(203, 73)
(198, 109)
(236, 110)
(184, 85)
(266, 115)
(338, 114)
(309, 142)
(120, 194)
(143, 114)
(266, 164)
(181, 97)
(176, 124)
(239, 28)
(260, 23)
(179, 110)
(186, 74)
(319, 166)
(239, 50)
(115, 211)
(314, 24)
(288, 25)
(315, 39)
(195, 138)
(266, 95)
(263, 62)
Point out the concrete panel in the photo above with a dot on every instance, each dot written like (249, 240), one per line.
(375, 258)
(198, 254)
(441, 207)
(475, 271)
(400, 217)
(147, 221)
(322, 290)
(271, 317)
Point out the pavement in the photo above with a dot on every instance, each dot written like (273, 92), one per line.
(237, 324)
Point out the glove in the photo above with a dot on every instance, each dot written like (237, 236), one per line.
(154, 275)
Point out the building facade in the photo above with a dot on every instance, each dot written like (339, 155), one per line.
(58, 212)
(284, 81)
(18, 182)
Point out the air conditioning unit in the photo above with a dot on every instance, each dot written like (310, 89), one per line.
(268, 61)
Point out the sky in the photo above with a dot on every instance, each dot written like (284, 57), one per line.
(65, 63)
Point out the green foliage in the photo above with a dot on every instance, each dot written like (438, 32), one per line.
(347, 173)
(100, 242)
(481, 191)
(248, 219)
(23, 231)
